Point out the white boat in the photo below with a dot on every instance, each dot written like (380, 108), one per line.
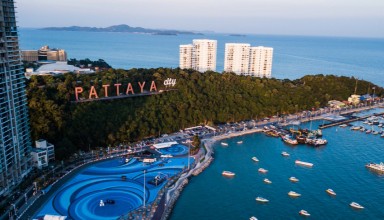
(262, 170)
(294, 194)
(239, 142)
(302, 163)
(380, 125)
(382, 135)
(285, 154)
(287, 139)
(255, 159)
(267, 181)
(224, 144)
(375, 132)
(331, 192)
(261, 199)
(355, 128)
(304, 213)
(228, 174)
(293, 179)
(368, 131)
(356, 205)
(343, 126)
(362, 129)
(376, 167)
(253, 218)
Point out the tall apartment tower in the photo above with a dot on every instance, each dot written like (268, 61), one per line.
(186, 56)
(200, 56)
(15, 141)
(260, 63)
(236, 58)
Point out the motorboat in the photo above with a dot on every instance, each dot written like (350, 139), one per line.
(362, 129)
(302, 163)
(355, 128)
(356, 205)
(253, 218)
(293, 179)
(239, 142)
(267, 181)
(262, 170)
(375, 132)
(382, 135)
(228, 174)
(261, 199)
(368, 131)
(287, 139)
(255, 159)
(301, 139)
(304, 213)
(285, 154)
(224, 144)
(376, 167)
(331, 192)
(343, 126)
(294, 194)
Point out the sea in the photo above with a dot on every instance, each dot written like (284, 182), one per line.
(293, 57)
(339, 165)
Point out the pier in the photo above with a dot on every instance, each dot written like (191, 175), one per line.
(348, 121)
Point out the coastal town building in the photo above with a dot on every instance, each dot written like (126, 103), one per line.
(260, 63)
(57, 68)
(186, 56)
(201, 56)
(44, 54)
(43, 153)
(354, 99)
(236, 58)
(15, 141)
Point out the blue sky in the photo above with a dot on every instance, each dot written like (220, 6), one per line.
(290, 17)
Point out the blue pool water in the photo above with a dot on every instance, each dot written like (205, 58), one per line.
(80, 197)
(340, 165)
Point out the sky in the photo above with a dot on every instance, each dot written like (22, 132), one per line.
(355, 18)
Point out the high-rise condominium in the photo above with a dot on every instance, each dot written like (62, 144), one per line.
(260, 61)
(243, 59)
(236, 58)
(15, 140)
(200, 56)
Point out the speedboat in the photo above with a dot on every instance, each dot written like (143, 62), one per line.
(253, 218)
(376, 167)
(356, 205)
(293, 179)
(228, 174)
(331, 192)
(262, 170)
(343, 126)
(285, 154)
(224, 144)
(294, 194)
(304, 213)
(261, 199)
(382, 135)
(255, 159)
(240, 142)
(375, 132)
(362, 129)
(355, 128)
(302, 163)
(368, 131)
(267, 181)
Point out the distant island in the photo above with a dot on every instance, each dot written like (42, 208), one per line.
(122, 28)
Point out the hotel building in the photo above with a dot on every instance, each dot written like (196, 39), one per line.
(260, 61)
(15, 141)
(44, 54)
(236, 58)
(200, 56)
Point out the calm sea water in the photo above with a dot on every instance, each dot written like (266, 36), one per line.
(294, 56)
(340, 165)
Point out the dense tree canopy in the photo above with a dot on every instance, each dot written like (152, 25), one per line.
(200, 98)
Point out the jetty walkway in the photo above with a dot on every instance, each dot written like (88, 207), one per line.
(348, 120)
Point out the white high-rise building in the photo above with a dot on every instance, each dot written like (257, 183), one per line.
(260, 62)
(237, 58)
(200, 56)
(185, 56)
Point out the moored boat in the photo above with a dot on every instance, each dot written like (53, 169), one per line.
(356, 205)
(253, 218)
(301, 139)
(302, 163)
(294, 194)
(331, 192)
(262, 170)
(343, 126)
(355, 128)
(261, 199)
(228, 173)
(293, 179)
(375, 132)
(304, 213)
(255, 159)
(376, 167)
(224, 143)
(368, 131)
(287, 139)
(239, 142)
(267, 181)
(285, 154)
(362, 129)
